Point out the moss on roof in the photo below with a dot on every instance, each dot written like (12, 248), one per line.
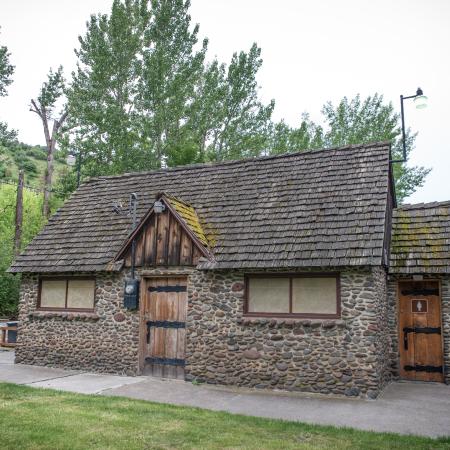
(421, 238)
(188, 214)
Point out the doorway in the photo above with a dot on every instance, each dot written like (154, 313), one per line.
(163, 327)
(420, 331)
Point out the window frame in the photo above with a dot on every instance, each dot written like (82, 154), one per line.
(291, 276)
(65, 308)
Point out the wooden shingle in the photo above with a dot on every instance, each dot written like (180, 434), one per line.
(421, 238)
(306, 209)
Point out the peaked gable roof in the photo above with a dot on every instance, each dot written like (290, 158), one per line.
(308, 209)
(184, 214)
(421, 238)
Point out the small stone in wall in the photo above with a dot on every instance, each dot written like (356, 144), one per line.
(252, 354)
(237, 287)
(119, 317)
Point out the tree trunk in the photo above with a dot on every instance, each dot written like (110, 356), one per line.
(19, 215)
(51, 143)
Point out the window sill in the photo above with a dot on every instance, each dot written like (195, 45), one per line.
(65, 315)
(292, 322)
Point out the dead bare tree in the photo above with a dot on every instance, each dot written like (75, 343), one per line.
(44, 107)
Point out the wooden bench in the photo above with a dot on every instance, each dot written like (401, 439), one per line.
(5, 337)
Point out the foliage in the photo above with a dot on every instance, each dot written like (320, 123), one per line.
(102, 99)
(170, 72)
(6, 70)
(355, 121)
(33, 418)
(7, 137)
(142, 95)
(32, 223)
(237, 123)
(65, 184)
(51, 91)
(16, 155)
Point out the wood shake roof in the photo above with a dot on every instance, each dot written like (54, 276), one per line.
(421, 238)
(307, 209)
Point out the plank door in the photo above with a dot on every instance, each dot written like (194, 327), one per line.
(420, 331)
(163, 327)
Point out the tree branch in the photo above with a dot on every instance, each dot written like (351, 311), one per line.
(35, 109)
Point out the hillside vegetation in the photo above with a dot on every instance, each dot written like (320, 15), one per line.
(33, 160)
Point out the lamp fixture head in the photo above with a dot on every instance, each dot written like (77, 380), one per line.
(158, 207)
(70, 160)
(420, 100)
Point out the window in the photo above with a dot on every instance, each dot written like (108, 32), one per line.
(71, 294)
(314, 296)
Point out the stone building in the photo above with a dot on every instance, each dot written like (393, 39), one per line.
(272, 272)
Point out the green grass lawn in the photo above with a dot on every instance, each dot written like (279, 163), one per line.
(45, 419)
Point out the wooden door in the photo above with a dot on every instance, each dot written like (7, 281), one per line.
(163, 327)
(420, 331)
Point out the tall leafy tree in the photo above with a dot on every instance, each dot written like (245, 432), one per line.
(357, 121)
(6, 70)
(239, 123)
(7, 136)
(142, 95)
(44, 106)
(102, 98)
(286, 139)
(32, 223)
(172, 68)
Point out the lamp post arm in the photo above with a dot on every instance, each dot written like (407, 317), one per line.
(403, 127)
(402, 115)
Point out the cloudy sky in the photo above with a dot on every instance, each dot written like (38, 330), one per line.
(313, 51)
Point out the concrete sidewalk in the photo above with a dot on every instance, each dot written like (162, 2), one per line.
(65, 380)
(404, 407)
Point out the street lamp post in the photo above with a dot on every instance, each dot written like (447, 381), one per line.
(420, 101)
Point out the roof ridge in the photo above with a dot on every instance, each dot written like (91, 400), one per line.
(378, 144)
(424, 205)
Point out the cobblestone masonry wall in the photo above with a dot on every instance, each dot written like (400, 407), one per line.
(104, 341)
(446, 325)
(393, 323)
(383, 343)
(346, 356)
(394, 355)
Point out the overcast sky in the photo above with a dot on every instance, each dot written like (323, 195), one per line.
(313, 51)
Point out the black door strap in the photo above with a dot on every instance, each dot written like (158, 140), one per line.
(167, 289)
(428, 369)
(166, 361)
(165, 324)
(426, 330)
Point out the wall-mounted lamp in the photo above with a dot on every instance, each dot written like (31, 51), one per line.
(158, 207)
(421, 102)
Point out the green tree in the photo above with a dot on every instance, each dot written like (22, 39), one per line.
(286, 139)
(171, 71)
(6, 70)
(142, 95)
(102, 99)
(32, 224)
(230, 120)
(357, 121)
